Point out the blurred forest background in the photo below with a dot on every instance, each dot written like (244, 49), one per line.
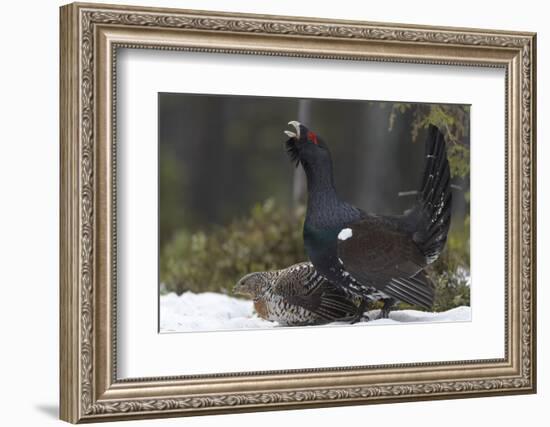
(232, 203)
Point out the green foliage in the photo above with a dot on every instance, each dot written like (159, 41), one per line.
(451, 273)
(269, 238)
(459, 160)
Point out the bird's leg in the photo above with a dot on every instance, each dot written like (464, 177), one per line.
(364, 318)
(386, 308)
(361, 313)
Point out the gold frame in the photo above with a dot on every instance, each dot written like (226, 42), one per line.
(90, 36)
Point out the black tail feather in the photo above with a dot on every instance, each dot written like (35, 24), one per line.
(417, 290)
(432, 213)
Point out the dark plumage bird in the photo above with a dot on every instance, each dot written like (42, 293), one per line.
(363, 252)
(299, 296)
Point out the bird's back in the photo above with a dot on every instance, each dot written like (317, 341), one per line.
(302, 296)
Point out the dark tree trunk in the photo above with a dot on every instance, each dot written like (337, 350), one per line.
(299, 188)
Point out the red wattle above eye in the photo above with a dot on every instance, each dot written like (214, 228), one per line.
(311, 136)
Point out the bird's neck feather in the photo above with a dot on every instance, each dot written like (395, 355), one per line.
(324, 207)
(320, 184)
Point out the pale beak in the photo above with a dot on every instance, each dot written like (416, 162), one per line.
(291, 134)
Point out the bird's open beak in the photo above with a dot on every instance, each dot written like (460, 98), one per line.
(296, 126)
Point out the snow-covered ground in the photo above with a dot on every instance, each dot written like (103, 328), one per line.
(211, 311)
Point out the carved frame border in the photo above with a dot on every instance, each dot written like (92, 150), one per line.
(90, 35)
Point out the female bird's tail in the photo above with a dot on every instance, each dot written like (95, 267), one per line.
(432, 213)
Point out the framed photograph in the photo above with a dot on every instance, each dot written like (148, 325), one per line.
(267, 212)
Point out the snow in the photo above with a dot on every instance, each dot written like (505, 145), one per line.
(345, 234)
(210, 311)
(457, 314)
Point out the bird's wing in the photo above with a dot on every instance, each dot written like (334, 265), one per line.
(378, 253)
(302, 286)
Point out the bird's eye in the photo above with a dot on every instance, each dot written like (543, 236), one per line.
(312, 137)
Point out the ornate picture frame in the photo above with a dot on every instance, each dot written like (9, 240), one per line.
(90, 37)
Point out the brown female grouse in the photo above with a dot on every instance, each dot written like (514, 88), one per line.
(299, 296)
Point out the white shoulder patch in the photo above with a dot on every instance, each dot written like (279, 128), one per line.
(345, 234)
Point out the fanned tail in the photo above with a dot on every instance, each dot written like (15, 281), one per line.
(432, 212)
